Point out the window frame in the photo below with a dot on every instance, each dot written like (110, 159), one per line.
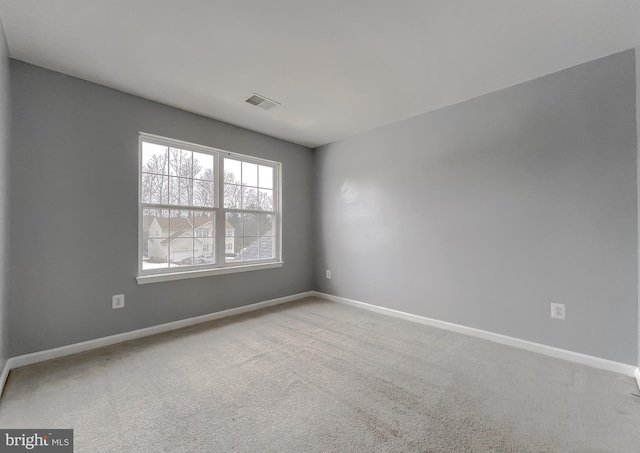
(220, 266)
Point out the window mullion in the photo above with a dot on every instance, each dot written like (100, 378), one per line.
(221, 216)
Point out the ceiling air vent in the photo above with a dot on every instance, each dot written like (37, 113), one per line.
(262, 102)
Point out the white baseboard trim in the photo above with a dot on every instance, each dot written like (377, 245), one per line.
(575, 357)
(4, 375)
(637, 373)
(41, 356)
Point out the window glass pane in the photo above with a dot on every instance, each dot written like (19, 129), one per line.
(180, 223)
(174, 190)
(157, 221)
(180, 236)
(154, 158)
(234, 224)
(185, 191)
(265, 199)
(203, 193)
(204, 224)
(233, 233)
(250, 198)
(232, 171)
(267, 247)
(203, 166)
(251, 224)
(155, 232)
(158, 258)
(249, 174)
(181, 251)
(265, 177)
(181, 191)
(267, 227)
(204, 247)
(155, 188)
(180, 163)
(250, 250)
(232, 196)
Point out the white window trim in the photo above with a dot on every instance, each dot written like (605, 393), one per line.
(206, 272)
(220, 267)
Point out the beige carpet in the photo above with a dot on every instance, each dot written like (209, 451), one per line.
(315, 376)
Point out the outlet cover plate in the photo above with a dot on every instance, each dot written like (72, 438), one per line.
(558, 311)
(117, 301)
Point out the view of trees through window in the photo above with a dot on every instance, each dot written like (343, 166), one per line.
(181, 200)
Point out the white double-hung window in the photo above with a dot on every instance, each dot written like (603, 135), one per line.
(204, 211)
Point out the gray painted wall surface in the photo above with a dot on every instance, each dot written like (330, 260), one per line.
(74, 213)
(4, 198)
(485, 212)
(637, 50)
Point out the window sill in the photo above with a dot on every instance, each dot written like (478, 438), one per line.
(169, 276)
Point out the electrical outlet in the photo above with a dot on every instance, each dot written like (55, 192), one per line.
(117, 301)
(328, 273)
(558, 311)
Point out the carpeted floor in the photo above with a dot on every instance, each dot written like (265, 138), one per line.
(316, 376)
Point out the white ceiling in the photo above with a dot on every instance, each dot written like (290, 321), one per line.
(339, 67)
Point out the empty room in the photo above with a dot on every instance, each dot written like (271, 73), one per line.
(339, 226)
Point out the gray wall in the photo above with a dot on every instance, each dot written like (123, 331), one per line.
(638, 172)
(4, 198)
(485, 212)
(74, 213)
